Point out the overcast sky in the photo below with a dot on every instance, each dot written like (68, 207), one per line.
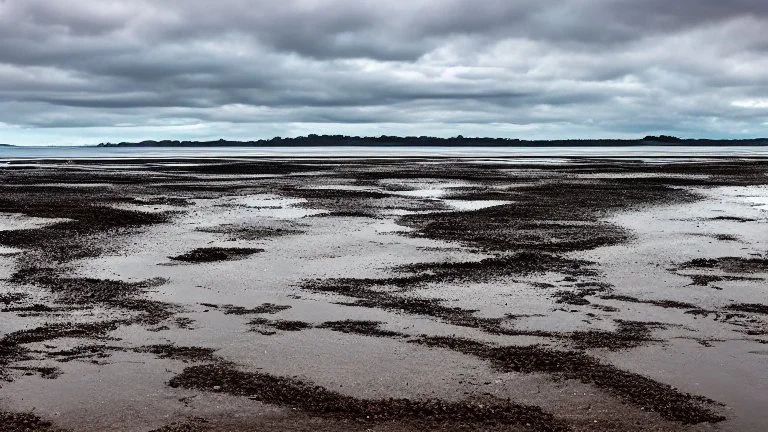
(87, 71)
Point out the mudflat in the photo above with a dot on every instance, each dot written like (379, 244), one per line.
(345, 294)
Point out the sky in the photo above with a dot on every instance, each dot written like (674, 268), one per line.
(90, 71)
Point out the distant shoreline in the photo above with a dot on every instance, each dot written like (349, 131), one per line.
(394, 141)
(330, 141)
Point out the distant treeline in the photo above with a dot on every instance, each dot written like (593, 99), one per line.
(424, 141)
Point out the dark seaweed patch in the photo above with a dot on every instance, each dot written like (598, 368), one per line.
(183, 353)
(90, 217)
(212, 254)
(89, 291)
(81, 291)
(250, 167)
(250, 233)
(735, 267)
(192, 425)
(335, 194)
(365, 328)
(83, 352)
(729, 264)
(668, 304)
(162, 200)
(519, 264)
(45, 372)
(266, 308)
(578, 297)
(369, 297)
(371, 293)
(629, 334)
(633, 388)
(31, 309)
(350, 214)
(555, 216)
(22, 422)
(316, 400)
(573, 298)
(732, 218)
(755, 308)
(10, 298)
(268, 327)
(12, 344)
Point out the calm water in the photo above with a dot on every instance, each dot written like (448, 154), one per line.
(173, 152)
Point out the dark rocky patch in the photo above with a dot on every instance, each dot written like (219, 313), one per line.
(213, 254)
(319, 401)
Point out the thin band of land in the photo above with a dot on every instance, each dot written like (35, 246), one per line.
(313, 140)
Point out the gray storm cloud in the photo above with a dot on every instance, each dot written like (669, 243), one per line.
(179, 69)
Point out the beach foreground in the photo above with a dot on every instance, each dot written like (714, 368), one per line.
(246, 294)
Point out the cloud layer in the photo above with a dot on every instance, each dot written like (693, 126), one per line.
(85, 71)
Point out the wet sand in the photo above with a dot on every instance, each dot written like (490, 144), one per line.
(246, 294)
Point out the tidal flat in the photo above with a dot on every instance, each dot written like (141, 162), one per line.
(384, 294)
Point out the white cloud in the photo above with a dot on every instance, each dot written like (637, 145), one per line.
(751, 103)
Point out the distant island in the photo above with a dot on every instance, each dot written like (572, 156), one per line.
(425, 141)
